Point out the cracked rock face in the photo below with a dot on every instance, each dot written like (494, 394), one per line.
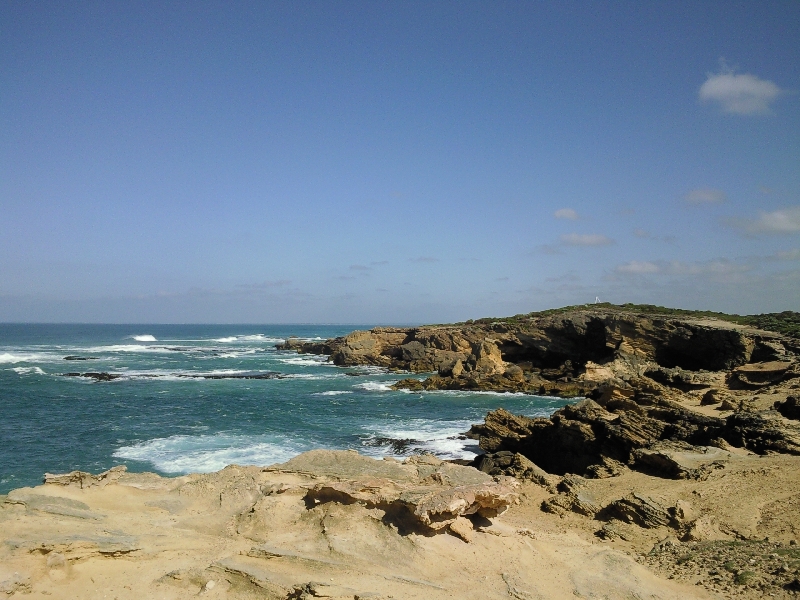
(431, 492)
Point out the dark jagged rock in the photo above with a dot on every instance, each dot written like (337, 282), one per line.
(665, 439)
(563, 353)
(80, 358)
(298, 345)
(102, 376)
(789, 408)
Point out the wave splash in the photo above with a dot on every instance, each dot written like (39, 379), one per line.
(442, 438)
(208, 453)
(8, 358)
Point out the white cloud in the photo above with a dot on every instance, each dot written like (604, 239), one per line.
(638, 267)
(743, 94)
(782, 221)
(793, 254)
(566, 213)
(779, 221)
(705, 196)
(720, 266)
(586, 239)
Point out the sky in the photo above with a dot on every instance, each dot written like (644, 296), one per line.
(395, 162)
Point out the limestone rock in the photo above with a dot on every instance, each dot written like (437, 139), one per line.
(435, 508)
(679, 460)
(764, 373)
(17, 582)
(714, 396)
(514, 373)
(703, 529)
(488, 357)
(640, 510)
(462, 528)
(83, 479)
(574, 496)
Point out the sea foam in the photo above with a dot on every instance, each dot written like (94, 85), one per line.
(8, 358)
(144, 338)
(259, 337)
(375, 386)
(442, 438)
(28, 370)
(207, 453)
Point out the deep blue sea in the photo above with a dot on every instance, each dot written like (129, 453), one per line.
(163, 414)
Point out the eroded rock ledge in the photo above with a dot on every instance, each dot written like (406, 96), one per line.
(572, 352)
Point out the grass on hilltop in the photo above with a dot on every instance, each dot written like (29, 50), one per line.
(786, 322)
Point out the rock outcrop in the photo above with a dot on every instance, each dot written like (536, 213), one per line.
(571, 352)
(326, 524)
(665, 439)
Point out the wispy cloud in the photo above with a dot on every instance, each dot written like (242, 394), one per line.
(784, 221)
(359, 268)
(265, 284)
(720, 266)
(705, 196)
(566, 213)
(585, 239)
(550, 249)
(742, 94)
(793, 254)
(638, 267)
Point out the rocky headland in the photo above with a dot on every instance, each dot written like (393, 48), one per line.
(674, 474)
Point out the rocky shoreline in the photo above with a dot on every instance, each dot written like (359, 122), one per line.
(671, 397)
(675, 474)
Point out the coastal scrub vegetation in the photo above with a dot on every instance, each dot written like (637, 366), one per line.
(786, 322)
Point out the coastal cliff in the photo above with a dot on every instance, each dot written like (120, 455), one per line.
(674, 474)
(567, 352)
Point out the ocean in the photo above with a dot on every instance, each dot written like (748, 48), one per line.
(195, 398)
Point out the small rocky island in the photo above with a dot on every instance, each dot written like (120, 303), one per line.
(674, 474)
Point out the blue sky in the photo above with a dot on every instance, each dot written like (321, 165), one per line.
(395, 162)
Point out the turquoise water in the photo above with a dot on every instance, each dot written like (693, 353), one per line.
(164, 414)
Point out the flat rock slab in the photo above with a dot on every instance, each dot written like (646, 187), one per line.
(55, 505)
(694, 463)
(79, 544)
(351, 465)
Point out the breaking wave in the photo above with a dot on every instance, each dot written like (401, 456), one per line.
(207, 453)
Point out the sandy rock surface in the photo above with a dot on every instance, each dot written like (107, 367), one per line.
(417, 529)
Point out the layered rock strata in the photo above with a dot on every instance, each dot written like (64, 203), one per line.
(570, 353)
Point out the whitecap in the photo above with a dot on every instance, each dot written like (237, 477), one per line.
(28, 370)
(144, 338)
(479, 393)
(8, 358)
(332, 393)
(259, 337)
(375, 386)
(128, 348)
(305, 361)
(441, 438)
(309, 376)
(207, 453)
(235, 354)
